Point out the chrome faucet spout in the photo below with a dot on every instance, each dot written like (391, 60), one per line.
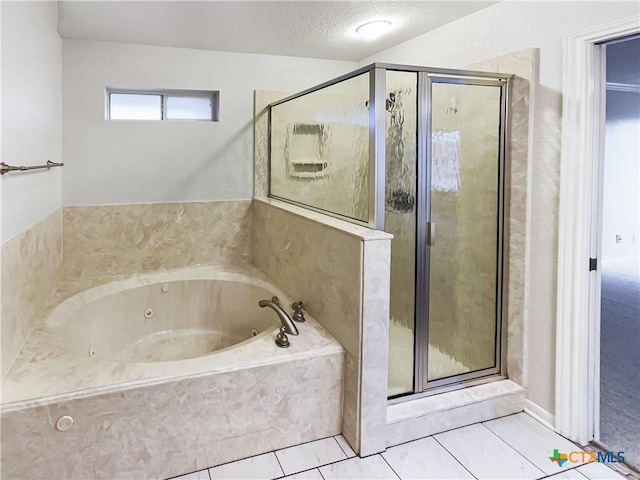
(287, 322)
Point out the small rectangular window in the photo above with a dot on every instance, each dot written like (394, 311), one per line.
(189, 108)
(129, 106)
(133, 104)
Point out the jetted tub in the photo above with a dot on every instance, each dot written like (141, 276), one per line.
(162, 374)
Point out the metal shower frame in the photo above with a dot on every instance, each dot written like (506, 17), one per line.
(426, 76)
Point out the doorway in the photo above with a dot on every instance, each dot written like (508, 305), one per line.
(578, 310)
(619, 422)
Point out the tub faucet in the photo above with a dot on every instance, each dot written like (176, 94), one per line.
(287, 322)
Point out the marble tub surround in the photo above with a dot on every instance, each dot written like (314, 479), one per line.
(31, 270)
(341, 272)
(145, 420)
(425, 416)
(261, 99)
(163, 430)
(41, 368)
(119, 239)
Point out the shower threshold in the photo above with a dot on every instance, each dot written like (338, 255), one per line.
(422, 416)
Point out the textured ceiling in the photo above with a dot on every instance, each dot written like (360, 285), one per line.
(317, 29)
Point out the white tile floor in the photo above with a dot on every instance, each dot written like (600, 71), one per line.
(510, 447)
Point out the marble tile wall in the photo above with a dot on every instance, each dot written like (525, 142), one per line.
(376, 281)
(31, 270)
(132, 239)
(341, 273)
(158, 430)
(320, 266)
(351, 400)
(524, 65)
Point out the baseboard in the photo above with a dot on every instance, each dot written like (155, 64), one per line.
(540, 414)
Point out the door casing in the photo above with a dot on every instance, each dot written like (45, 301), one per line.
(577, 392)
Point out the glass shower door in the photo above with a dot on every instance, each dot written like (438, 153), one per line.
(401, 118)
(462, 248)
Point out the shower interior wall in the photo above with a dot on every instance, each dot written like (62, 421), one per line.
(463, 264)
(326, 130)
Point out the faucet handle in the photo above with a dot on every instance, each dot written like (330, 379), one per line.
(298, 316)
(275, 300)
(281, 339)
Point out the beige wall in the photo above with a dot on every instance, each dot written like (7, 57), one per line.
(31, 114)
(494, 31)
(115, 162)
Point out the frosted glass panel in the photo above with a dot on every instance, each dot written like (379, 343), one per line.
(188, 108)
(320, 149)
(126, 106)
(400, 220)
(464, 208)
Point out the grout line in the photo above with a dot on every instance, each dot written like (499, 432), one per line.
(340, 446)
(298, 473)
(303, 443)
(209, 474)
(452, 429)
(544, 474)
(553, 431)
(567, 469)
(279, 464)
(317, 466)
(454, 457)
(574, 466)
(189, 473)
(331, 463)
(392, 469)
(257, 455)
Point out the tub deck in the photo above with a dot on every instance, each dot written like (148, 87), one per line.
(151, 420)
(42, 369)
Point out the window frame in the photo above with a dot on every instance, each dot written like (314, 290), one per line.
(164, 94)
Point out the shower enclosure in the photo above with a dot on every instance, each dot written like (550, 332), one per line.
(420, 153)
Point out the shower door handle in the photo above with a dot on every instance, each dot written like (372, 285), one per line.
(430, 238)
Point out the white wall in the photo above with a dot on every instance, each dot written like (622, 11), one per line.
(111, 162)
(621, 192)
(503, 28)
(31, 113)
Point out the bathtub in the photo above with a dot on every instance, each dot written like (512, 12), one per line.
(162, 374)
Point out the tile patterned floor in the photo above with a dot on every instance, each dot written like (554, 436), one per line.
(510, 447)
